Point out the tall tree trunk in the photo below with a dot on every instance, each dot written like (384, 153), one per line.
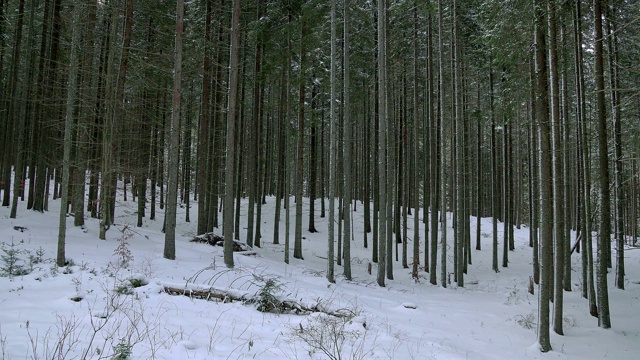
(587, 240)
(495, 211)
(558, 176)
(604, 236)
(255, 157)
(203, 135)
(282, 126)
(313, 157)
(87, 95)
(434, 147)
(174, 147)
(13, 116)
(460, 145)
(117, 112)
(619, 234)
(72, 92)
(347, 141)
(443, 177)
(535, 179)
(231, 140)
(416, 153)
(382, 145)
(297, 246)
(333, 137)
(546, 204)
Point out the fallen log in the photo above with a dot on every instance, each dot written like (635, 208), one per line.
(203, 294)
(230, 296)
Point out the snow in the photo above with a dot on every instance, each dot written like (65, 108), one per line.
(492, 317)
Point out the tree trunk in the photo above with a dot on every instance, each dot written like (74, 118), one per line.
(416, 153)
(604, 236)
(13, 116)
(333, 139)
(297, 246)
(203, 135)
(546, 204)
(231, 139)
(347, 145)
(174, 131)
(72, 92)
(558, 176)
(382, 145)
(443, 177)
(619, 234)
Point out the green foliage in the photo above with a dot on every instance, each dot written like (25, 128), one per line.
(11, 264)
(266, 298)
(122, 351)
(37, 258)
(136, 283)
(124, 289)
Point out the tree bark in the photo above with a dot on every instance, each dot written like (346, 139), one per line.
(72, 89)
(231, 139)
(347, 147)
(174, 147)
(382, 145)
(546, 204)
(604, 236)
(558, 175)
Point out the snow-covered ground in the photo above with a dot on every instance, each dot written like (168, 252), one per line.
(85, 310)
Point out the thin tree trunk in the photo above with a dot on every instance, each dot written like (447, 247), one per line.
(297, 246)
(174, 131)
(382, 145)
(72, 92)
(203, 135)
(443, 178)
(416, 153)
(604, 236)
(347, 141)
(229, 173)
(546, 205)
(333, 139)
(13, 116)
(619, 234)
(558, 176)
(434, 146)
(494, 171)
(313, 158)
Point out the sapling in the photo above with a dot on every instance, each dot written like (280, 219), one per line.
(11, 261)
(122, 251)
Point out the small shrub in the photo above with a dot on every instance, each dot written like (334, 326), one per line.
(124, 289)
(137, 282)
(12, 264)
(266, 297)
(67, 270)
(38, 258)
(527, 321)
(125, 257)
(122, 351)
(336, 337)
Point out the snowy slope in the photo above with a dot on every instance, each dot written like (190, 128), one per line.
(493, 317)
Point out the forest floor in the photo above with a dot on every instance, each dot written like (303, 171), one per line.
(110, 303)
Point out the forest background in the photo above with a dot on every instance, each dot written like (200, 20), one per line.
(522, 111)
